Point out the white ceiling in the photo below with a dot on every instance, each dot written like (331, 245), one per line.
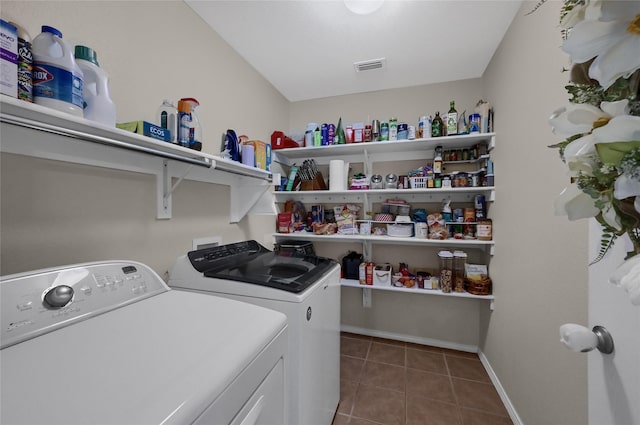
(307, 49)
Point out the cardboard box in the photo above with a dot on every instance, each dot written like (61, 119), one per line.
(8, 59)
(260, 149)
(147, 129)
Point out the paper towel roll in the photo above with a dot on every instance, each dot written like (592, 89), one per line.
(337, 175)
(248, 155)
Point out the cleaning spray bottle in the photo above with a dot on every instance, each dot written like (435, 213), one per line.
(189, 129)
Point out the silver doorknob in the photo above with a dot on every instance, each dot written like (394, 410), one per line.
(581, 339)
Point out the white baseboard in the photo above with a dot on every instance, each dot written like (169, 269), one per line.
(410, 338)
(500, 389)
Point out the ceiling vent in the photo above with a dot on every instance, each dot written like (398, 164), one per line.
(370, 65)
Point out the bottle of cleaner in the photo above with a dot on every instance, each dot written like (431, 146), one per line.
(189, 131)
(25, 65)
(97, 102)
(168, 118)
(57, 78)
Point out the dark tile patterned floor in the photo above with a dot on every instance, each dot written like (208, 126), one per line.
(386, 382)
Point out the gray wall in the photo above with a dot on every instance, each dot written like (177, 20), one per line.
(55, 213)
(541, 259)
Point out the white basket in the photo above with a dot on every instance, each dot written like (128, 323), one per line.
(418, 182)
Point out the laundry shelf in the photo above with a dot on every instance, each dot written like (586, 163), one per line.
(457, 194)
(36, 131)
(415, 290)
(380, 151)
(389, 240)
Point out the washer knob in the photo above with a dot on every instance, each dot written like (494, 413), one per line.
(58, 296)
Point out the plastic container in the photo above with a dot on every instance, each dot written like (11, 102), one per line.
(57, 78)
(446, 271)
(459, 260)
(98, 106)
(168, 118)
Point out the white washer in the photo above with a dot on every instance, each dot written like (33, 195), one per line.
(305, 288)
(110, 343)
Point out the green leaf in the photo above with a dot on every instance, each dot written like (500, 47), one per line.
(613, 152)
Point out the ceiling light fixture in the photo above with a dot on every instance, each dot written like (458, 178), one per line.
(363, 7)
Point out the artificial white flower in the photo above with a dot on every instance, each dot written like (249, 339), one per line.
(610, 216)
(575, 204)
(581, 118)
(613, 40)
(581, 11)
(622, 128)
(627, 276)
(577, 118)
(626, 186)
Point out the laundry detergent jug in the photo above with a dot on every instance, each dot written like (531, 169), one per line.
(97, 102)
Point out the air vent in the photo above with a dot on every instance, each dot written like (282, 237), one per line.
(369, 65)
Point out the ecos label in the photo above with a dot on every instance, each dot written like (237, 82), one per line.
(56, 83)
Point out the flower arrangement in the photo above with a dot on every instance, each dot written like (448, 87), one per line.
(601, 125)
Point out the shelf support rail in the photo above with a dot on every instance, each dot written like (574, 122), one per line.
(48, 128)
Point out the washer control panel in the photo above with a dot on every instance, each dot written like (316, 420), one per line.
(42, 301)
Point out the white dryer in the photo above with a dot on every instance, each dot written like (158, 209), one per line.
(110, 343)
(306, 288)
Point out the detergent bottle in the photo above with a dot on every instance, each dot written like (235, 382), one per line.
(97, 102)
(57, 78)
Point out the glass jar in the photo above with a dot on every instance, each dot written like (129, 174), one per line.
(459, 261)
(446, 271)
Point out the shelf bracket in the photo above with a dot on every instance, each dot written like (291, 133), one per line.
(165, 190)
(366, 298)
(492, 305)
(243, 198)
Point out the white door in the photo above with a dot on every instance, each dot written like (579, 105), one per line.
(614, 379)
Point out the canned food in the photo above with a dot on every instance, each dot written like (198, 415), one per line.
(384, 131)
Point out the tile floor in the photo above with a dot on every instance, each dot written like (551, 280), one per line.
(386, 382)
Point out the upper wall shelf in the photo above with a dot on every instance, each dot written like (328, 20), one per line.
(36, 131)
(380, 151)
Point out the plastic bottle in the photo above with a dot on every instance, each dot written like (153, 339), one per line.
(25, 65)
(57, 78)
(98, 105)
(190, 131)
(168, 118)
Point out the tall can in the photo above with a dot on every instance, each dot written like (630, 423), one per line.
(393, 128)
(324, 133)
(384, 132)
(25, 65)
(332, 133)
(480, 207)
